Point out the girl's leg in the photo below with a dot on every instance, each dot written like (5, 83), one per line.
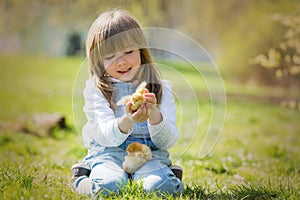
(105, 177)
(158, 177)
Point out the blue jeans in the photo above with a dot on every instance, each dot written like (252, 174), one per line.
(107, 174)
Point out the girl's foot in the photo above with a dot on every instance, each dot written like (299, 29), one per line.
(79, 169)
(177, 170)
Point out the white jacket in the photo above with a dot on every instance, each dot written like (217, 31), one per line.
(102, 126)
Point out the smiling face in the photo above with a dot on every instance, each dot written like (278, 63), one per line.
(123, 65)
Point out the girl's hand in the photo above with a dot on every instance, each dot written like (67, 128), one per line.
(138, 116)
(151, 101)
(154, 115)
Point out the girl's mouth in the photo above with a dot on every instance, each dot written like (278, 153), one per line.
(124, 71)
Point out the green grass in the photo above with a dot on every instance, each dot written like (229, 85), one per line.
(256, 157)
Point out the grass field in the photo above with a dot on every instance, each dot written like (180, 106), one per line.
(257, 155)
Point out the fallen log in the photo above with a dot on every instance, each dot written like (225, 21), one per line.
(39, 124)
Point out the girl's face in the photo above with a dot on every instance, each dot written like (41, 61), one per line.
(123, 65)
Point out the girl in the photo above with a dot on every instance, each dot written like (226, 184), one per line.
(119, 61)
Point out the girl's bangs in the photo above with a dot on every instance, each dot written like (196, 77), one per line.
(122, 41)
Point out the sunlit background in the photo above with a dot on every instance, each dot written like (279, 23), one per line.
(255, 45)
(234, 32)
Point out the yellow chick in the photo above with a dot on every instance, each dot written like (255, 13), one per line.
(138, 154)
(137, 98)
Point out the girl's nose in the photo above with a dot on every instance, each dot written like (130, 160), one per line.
(121, 61)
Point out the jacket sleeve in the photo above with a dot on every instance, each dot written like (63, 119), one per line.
(165, 134)
(102, 126)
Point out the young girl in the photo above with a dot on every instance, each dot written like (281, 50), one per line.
(119, 61)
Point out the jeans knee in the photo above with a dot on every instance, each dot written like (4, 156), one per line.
(106, 187)
(170, 185)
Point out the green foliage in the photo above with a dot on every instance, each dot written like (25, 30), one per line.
(236, 192)
(246, 32)
(284, 57)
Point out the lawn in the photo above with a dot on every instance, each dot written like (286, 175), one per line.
(256, 155)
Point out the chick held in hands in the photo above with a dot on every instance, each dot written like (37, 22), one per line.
(138, 154)
(136, 99)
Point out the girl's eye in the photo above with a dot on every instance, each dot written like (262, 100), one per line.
(109, 57)
(128, 52)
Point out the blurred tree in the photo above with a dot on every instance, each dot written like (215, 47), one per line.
(242, 29)
(74, 45)
(17, 20)
(283, 58)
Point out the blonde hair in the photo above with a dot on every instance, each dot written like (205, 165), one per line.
(115, 31)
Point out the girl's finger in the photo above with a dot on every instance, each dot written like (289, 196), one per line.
(140, 115)
(128, 107)
(151, 100)
(144, 109)
(146, 90)
(149, 95)
(137, 113)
